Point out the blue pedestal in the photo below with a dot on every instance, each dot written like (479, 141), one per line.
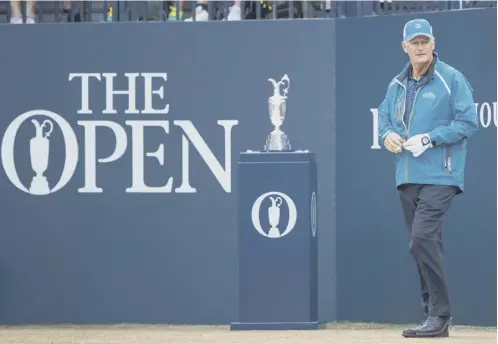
(278, 279)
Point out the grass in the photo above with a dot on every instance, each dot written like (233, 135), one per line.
(385, 326)
(343, 325)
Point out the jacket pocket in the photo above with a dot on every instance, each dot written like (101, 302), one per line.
(399, 109)
(447, 159)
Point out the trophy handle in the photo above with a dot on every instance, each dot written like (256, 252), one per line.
(45, 122)
(278, 201)
(284, 79)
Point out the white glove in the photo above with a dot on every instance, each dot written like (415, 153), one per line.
(393, 142)
(418, 144)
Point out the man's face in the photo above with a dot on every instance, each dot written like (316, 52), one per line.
(419, 49)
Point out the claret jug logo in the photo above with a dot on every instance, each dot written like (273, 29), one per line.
(276, 227)
(40, 141)
(39, 151)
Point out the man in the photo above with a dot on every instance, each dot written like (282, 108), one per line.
(426, 118)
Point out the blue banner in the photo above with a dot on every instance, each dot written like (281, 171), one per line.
(119, 150)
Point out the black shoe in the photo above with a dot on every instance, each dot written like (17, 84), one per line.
(412, 331)
(433, 326)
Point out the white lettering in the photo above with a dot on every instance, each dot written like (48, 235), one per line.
(485, 122)
(223, 175)
(185, 187)
(91, 151)
(138, 182)
(41, 142)
(487, 114)
(110, 92)
(149, 92)
(85, 77)
(495, 119)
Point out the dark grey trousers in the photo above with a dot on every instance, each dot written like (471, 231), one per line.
(424, 208)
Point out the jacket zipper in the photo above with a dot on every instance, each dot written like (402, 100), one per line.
(408, 129)
(404, 108)
(413, 106)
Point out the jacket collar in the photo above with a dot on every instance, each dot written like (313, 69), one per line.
(403, 76)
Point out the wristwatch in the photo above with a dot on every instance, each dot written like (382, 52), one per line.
(426, 141)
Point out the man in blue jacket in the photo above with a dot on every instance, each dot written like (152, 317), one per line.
(426, 118)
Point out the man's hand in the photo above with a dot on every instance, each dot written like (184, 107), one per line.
(393, 142)
(418, 144)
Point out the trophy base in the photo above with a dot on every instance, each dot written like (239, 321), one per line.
(39, 186)
(277, 141)
(273, 233)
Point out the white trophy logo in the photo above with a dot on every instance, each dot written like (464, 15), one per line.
(276, 202)
(274, 216)
(39, 147)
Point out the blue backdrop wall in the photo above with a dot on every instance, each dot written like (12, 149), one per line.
(139, 222)
(372, 242)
